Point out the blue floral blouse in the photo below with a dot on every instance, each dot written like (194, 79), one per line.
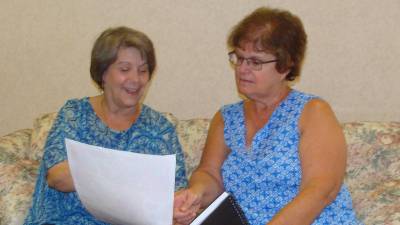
(152, 133)
(266, 176)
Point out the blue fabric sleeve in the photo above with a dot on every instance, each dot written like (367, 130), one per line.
(180, 171)
(171, 138)
(65, 126)
(180, 174)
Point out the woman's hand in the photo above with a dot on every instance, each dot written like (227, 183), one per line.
(186, 205)
(205, 182)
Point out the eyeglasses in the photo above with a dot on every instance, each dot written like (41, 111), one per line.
(254, 64)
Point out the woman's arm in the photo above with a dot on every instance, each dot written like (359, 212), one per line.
(55, 155)
(323, 162)
(207, 179)
(206, 182)
(59, 177)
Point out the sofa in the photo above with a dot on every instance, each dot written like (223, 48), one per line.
(373, 166)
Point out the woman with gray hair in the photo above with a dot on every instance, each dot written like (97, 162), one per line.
(122, 63)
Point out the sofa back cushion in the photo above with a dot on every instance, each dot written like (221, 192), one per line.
(373, 170)
(192, 135)
(41, 128)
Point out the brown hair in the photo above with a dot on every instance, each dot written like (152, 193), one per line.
(275, 31)
(105, 50)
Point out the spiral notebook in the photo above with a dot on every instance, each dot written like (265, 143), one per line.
(222, 211)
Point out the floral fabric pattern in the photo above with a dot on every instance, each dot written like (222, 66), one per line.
(192, 135)
(15, 146)
(17, 176)
(41, 128)
(373, 170)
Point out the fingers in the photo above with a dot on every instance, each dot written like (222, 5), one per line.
(185, 220)
(186, 205)
(179, 198)
(182, 222)
(192, 201)
(186, 199)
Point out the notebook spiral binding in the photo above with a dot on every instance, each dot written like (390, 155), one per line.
(238, 210)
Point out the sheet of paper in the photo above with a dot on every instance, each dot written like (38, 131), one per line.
(121, 187)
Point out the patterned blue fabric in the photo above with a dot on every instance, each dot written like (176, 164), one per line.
(266, 176)
(152, 133)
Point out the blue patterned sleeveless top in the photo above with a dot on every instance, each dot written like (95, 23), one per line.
(266, 176)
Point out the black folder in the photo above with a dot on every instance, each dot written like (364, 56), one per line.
(223, 211)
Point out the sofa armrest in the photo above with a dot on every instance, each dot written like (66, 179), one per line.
(373, 170)
(17, 176)
(15, 145)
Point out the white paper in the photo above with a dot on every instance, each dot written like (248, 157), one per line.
(122, 187)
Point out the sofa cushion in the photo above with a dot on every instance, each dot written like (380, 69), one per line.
(17, 182)
(373, 170)
(15, 146)
(192, 136)
(17, 176)
(171, 118)
(41, 128)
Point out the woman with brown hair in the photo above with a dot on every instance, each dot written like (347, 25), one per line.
(280, 152)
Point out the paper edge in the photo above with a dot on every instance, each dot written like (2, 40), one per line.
(203, 215)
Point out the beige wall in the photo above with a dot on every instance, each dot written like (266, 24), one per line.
(352, 59)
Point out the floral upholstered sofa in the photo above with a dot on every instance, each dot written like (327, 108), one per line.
(373, 172)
